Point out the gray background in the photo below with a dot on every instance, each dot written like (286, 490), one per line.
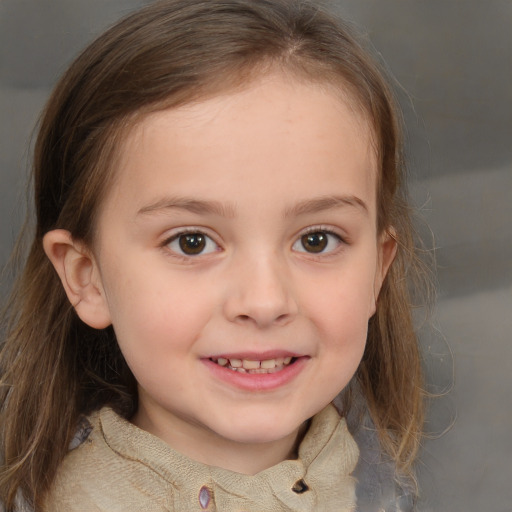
(452, 60)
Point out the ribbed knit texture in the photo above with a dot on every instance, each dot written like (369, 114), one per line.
(121, 468)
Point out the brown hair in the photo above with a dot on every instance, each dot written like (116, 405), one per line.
(54, 367)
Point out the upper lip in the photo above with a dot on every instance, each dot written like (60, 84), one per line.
(256, 356)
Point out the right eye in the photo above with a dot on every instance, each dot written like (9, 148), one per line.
(318, 241)
(192, 244)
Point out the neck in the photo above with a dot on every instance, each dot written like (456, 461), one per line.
(211, 449)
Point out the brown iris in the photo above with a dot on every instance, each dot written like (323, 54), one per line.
(192, 243)
(314, 242)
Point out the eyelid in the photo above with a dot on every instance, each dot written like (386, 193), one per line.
(337, 232)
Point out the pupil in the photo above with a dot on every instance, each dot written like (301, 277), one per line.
(192, 243)
(314, 242)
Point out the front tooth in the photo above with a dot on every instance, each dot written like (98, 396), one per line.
(250, 365)
(222, 361)
(268, 364)
(235, 363)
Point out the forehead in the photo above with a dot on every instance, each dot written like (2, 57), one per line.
(275, 128)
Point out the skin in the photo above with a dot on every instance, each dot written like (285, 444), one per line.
(253, 170)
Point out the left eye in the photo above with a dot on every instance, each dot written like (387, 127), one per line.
(192, 244)
(317, 242)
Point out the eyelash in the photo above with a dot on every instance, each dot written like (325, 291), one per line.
(187, 231)
(299, 240)
(340, 240)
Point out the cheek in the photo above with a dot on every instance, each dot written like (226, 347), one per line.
(153, 313)
(343, 328)
(340, 309)
(343, 297)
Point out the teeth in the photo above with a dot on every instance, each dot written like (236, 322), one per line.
(250, 365)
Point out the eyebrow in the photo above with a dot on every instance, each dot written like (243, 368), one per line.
(323, 203)
(191, 205)
(200, 207)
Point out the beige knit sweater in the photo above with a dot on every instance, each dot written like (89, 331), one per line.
(121, 468)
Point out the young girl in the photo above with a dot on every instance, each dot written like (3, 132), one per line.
(221, 252)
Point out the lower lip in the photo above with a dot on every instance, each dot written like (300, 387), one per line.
(257, 381)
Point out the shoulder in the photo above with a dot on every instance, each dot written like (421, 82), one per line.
(94, 477)
(379, 486)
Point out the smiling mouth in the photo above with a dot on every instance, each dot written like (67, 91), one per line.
(253, 366)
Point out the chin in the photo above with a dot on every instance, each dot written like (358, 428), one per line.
(251, 431)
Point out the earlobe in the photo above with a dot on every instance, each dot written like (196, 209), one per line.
(80, 277)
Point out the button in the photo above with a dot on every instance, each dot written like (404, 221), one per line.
(300, 486)
(204, 497)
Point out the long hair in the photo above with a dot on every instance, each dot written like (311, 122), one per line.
(55, 368)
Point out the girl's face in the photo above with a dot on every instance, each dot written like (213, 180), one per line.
(239, 262)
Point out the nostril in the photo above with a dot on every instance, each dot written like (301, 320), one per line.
(259, 319)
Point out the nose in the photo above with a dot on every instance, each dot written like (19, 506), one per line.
(260, 293)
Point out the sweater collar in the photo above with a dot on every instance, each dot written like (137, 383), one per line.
(326, 457)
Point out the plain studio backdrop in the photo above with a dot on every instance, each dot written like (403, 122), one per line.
(452, 61)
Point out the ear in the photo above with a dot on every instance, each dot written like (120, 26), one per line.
(386, 254)
(80, 277)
